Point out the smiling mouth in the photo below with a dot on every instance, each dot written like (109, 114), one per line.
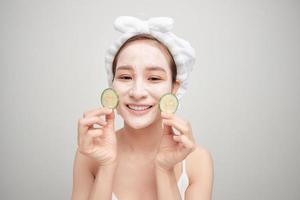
(138, 108)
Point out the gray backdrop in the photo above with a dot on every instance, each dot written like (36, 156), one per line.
(242, 100)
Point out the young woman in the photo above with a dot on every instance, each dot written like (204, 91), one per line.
(144, 159)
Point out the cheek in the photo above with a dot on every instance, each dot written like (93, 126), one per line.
(120, 88)
(159, 90)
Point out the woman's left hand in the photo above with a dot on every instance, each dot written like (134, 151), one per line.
(174, 147)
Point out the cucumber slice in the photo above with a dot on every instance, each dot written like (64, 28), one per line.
(109, 98)
(168, 103)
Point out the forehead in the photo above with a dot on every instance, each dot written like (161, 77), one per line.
(144, 53)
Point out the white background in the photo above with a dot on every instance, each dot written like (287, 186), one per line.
(243, 97)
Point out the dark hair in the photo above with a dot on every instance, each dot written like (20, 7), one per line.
(145, 36)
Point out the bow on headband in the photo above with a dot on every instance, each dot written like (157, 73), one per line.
(126, 24)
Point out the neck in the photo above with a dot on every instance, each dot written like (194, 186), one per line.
(143, 141)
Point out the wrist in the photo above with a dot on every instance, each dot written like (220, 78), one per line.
(164, 169)
(108, 165)
(107, 162)
(166, 175)
(107, 170)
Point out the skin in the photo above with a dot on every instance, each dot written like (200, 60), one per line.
(109, 160)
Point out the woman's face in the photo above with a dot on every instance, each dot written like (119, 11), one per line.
(142, 76)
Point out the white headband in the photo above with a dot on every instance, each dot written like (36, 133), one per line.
(160, 28)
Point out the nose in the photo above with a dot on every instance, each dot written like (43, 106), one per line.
(138, 91)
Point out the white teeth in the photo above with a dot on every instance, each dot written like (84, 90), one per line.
(138, 107)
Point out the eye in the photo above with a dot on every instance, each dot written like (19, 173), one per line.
(155, 78)
(125, 77)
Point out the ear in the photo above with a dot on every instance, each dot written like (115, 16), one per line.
(175, 86)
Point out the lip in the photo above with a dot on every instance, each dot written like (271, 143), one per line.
(138, 104)
(139, 112)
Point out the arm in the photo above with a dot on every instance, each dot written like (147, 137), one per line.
(85, 186)
(201, 183)
(82, 177)
(166, 184)
(97, 151)
(102, 188)
(173, 149)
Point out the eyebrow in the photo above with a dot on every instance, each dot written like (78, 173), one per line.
(156, 68)
(149, 68)
(125, 67)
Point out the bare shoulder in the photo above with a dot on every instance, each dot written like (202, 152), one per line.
(199, 164)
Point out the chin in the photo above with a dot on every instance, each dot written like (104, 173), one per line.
(140, 123)
(138, 126)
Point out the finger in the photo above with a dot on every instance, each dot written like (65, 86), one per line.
(86, 123)
(92, 120)
(94, 133)
(167, 115)
(171, 116)
(110, 119)
(179, 120)
(184, 140)
(99, 124)
(97, 112)
(174, 117)
(86, 140)
(182, 128)
(167, 130)
(175, 131)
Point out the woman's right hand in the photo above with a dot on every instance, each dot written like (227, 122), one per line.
(99, 143)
